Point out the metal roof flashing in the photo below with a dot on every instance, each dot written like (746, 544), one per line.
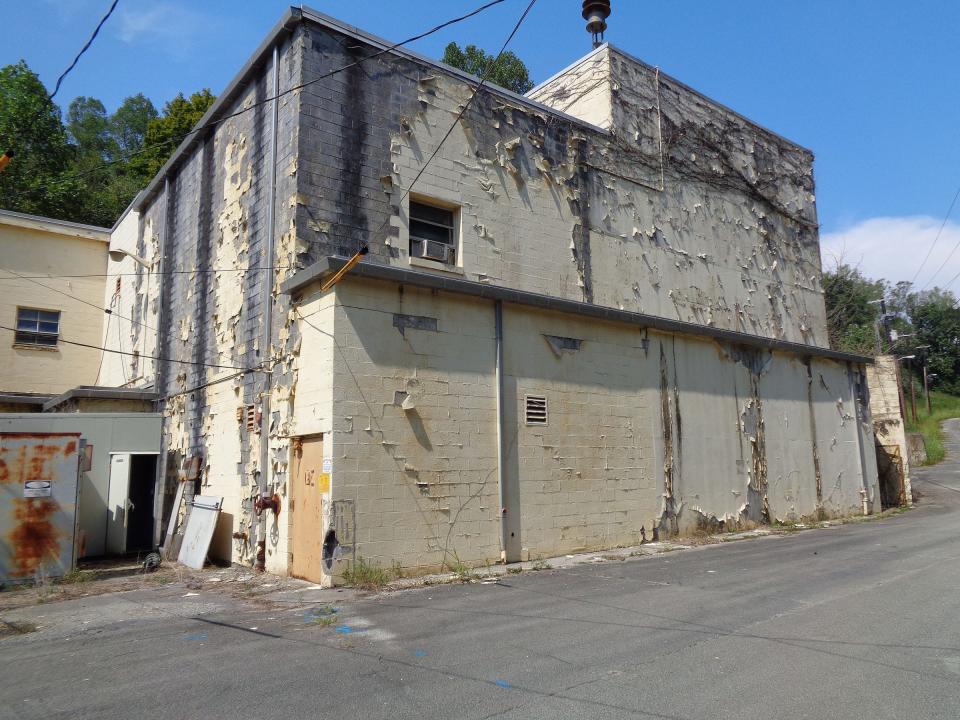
(93, 392)
(379, 271)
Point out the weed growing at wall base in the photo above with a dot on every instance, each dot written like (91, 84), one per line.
(365, 575)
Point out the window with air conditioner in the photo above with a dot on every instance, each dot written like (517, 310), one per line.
(433, 233)
(37, 328)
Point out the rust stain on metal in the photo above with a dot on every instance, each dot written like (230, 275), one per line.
(35, 539)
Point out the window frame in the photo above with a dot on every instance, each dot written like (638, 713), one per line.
(453, 230)
(30, 338)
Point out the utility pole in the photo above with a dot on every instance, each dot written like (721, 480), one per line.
(926, 389)
(913, 396)
(903, 404)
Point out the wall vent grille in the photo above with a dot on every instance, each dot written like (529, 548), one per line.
(536, 410)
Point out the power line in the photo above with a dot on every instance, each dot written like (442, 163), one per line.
(476, 91)
(250, 107)
(466, 106)
(252, 268)
(157, 358)
(935, 239)
(93, 36)
(79, 299)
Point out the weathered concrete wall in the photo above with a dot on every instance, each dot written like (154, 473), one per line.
(675, 206)
(683, 209)
(647, 435)
(212, 230)
(884, 383)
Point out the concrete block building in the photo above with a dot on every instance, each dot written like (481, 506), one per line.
(590, 317)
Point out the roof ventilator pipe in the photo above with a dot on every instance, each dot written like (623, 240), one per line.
(596, 12)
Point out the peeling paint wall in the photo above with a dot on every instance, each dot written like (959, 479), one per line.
(889, 435)
(210, 234)
(681, 209)
(667, 204)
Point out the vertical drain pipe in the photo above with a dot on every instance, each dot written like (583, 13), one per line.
(261, 556)
(159, 378)
(501, 429)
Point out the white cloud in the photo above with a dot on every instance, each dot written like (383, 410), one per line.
(168, 26)
(893, 248)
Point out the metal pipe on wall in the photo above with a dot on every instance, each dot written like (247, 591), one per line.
(160, 475)
(260, 562)
(501, 427)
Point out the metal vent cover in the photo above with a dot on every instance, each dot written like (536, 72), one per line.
(536, 409)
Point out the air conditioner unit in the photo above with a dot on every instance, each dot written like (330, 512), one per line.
(433, 250)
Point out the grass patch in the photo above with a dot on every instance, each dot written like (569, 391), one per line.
(365, 575)
(928, 424)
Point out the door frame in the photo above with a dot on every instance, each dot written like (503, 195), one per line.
(107, 548)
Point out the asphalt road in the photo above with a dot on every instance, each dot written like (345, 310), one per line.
(856, 621)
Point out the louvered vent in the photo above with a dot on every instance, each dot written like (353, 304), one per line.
(536, 407)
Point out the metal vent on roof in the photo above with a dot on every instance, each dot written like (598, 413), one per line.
(536, 410)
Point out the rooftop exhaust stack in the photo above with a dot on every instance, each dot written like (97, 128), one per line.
(596, 12)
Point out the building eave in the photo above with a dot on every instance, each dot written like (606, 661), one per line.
(288, 21)
(54, 226)
(322, 269)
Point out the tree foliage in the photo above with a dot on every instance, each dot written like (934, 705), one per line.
(31, 128)
(509, 72)
(925, 325)
(164, 133)
(88, 166)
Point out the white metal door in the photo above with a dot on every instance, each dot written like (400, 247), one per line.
(118, 496)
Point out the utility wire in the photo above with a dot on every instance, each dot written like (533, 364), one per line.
(157, 358)
(96, 31)
(214, 123)
(93, 36)
(107, 311)
(476, 91)
(935, 239)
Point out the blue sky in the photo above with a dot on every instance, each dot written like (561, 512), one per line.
(870, 86)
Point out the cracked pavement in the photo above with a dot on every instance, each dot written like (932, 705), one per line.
(860, 620)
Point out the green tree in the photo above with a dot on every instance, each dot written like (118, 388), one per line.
(936, 325)
(164, 134)
(509, 72)
(36, 180)
(130, 122)
(851, 316)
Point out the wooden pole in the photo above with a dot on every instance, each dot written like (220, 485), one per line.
(913, 397)
(926, 389)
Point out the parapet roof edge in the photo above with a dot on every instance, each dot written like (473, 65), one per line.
(379, 271)
(712, 101)
(290, 17)
(652, 68)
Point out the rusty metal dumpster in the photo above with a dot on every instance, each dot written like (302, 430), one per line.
(38, 504)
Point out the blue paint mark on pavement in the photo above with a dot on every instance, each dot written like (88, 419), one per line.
(196, 636)
(420, 653)
(344, 629)
(502, 683)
